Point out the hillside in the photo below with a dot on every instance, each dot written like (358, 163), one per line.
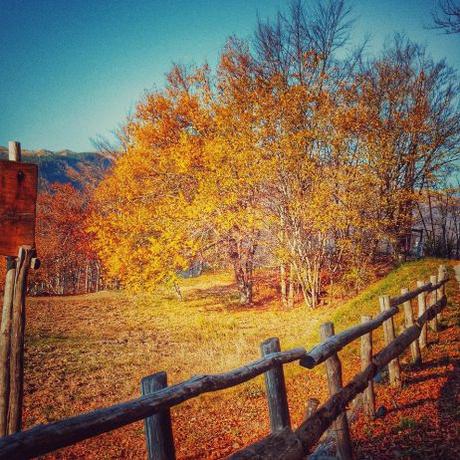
(64, 166)
(96, 348)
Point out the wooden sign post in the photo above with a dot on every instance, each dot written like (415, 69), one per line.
(18, 196)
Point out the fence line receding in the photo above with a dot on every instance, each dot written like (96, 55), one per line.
(283, 442)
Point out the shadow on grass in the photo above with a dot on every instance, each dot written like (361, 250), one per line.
(226, 297)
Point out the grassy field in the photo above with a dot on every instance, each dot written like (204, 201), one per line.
(85, 352)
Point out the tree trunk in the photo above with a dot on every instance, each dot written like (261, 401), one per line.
(241, 253)
(86, 277)
(290, 301)
(283, 285)
(246, 293)
(178, 291)
(98, 275)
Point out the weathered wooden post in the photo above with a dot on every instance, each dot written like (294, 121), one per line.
(442, 275)
(14, 154)
(18, 193)
(158, 427)
(334, 380)
(5, 342)
(276, 389)
(366, 359)
(17, 339)
(312, 405)
(421, 299)
(433, 298)
(394, 370)
(409, 322)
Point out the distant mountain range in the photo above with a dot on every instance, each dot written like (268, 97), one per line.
(65, 166)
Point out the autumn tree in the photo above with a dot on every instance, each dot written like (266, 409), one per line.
(69, 264)
(284, 150)
(296, 59)
(411, 134)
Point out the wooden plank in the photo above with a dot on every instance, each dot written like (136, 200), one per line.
(312, 405)
(334, 381)
(425, 287)
(14, 154)
(442, 276)
(158, 427)
(275, 387)
(366, 359)
(310, 431)
(432, 311)
(18, 196)
(282, 445)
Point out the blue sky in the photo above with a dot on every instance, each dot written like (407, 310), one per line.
(72, 70)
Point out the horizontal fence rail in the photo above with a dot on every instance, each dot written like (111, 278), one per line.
(293, 444)
(46, 438)
(284, 443)
(335, 343)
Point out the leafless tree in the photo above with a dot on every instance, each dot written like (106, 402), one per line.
(439, 215)
(401, 85)
(301, 43)
(447, 16)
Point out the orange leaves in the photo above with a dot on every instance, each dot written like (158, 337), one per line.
(63, 245)
(311, 164)
(421, 420)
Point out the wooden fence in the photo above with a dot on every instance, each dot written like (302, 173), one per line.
(283, 442)
(17, 228)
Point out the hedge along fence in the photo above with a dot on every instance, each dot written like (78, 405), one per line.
(283, 442)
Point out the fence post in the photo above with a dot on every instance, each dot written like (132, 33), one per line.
(5, 342)
(408, 322)
(394, 370)
(18, 323)
(442, 275)
(14, 151)
(312, 405)
(14, 154)
(433, 298)
(276, 389)
(334, 380)
(366, 359)
(421, 299)
(158, 428)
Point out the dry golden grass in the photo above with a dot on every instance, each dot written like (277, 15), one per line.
(85, 352)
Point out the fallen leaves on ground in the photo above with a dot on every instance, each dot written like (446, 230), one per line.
(91, 351)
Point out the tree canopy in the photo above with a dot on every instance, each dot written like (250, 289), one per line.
(284, 153)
